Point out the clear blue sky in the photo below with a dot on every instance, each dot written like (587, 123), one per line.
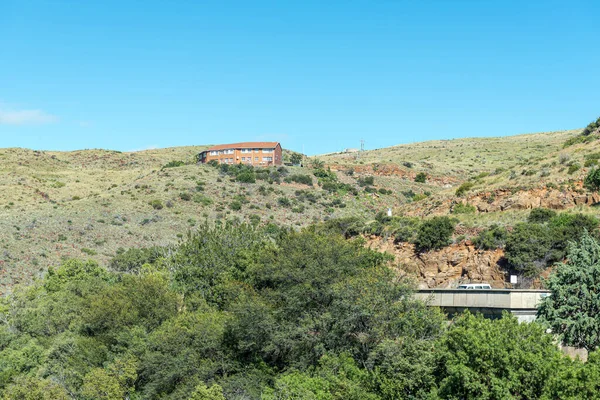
(137, 74)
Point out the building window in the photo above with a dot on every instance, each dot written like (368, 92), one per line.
(267, 150)
(255, 158)
(256, 150)
(214, 153)
(267, 158)
(246, 150)
(229, 151)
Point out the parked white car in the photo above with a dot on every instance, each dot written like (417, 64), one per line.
(474, 286)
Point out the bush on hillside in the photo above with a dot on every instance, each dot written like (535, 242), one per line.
(434, 233)
(540, 215)
(592, 127)
(246, 177)
(298, 178)
(532, 247)
(464, 188)
(365, 181)
(492, 238)
(156, 204)
(592, 180)
(463, 208)
(173, 164)
(421, 177)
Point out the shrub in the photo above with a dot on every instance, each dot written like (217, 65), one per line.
(421, 177)
(246, 177)
(365, 181)
(591, 128)
(298, 209)
(298, 178)
(532, 247)
(284, 202)
(156, 204)
(419, 197)
(464, 188)
(185, 196)
(492, 238)
(235, 205)
(592, 180)
(173, 164)
(463, 208)
(563, 158)
(324, 174)
(201, 199)
(573, 168)
(434, 233)
(409, 194)
(347, 226)
(407, 164)
(541, 215)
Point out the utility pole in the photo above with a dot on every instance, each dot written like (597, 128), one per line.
(362, 148)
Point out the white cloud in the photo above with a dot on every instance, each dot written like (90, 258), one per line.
(25, 117)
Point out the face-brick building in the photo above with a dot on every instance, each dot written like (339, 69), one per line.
(258, 154)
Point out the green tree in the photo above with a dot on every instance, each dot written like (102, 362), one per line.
(402, 368)
(501, 359)
(575, 380)
(592, 180)
(336, 378)
(31, 388)
(529, 248)
(202, 392)
(572, 308)
(296, 158)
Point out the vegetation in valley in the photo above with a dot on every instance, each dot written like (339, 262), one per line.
(243, 312)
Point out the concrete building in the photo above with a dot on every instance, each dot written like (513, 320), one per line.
(258, 154)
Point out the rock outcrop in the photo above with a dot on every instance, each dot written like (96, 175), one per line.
(448, 267)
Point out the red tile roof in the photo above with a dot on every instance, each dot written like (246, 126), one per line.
(244, 145)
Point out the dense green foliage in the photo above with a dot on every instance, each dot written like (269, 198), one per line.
(434, 233)
(533, 246)
(463, 208)
(591, 127)
(299, 178)
(240, 312)
(421, 177)
(572, 309)
(592, 179)
(492, 238)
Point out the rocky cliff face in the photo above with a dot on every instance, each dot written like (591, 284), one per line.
(448, 267)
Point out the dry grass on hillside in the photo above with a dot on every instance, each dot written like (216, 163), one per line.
(89, 203)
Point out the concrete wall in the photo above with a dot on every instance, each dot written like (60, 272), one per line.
(520, 302)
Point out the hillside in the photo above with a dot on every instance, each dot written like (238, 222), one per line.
(91, 203)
